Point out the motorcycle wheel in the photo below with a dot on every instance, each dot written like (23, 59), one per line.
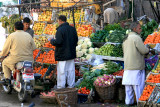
(7, 89)
(22, 95)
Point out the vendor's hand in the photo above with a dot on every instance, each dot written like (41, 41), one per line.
(147, 46)
(153, 51)
(49, 39)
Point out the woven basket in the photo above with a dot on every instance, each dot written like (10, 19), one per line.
(67, 97)
(50, 100)
(106, 92)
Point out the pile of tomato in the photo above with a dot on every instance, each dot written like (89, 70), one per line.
(84, 91)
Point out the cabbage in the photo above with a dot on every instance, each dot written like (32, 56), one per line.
(86, 74)
(110, 31)
(95, 49)
(92, 74)
(87, 78)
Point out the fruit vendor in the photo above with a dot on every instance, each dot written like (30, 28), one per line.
(110, 16)
(134, 64)
(19, 46)
(26, 24)
(65, 52)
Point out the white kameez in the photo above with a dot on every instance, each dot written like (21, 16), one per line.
(134, 81)
(65, 71)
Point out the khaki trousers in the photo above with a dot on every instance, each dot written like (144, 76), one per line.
(9, 62)
(7, 68)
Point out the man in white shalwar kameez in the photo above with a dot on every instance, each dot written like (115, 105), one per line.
(65, 53)
(134, 65)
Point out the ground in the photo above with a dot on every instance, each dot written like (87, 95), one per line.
(11, 100)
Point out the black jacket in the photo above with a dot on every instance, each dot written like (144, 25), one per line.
(65, 42)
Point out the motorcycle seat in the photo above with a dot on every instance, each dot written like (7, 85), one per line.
(22, 64)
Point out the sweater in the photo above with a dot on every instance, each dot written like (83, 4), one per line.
(65, 42)
(134, 51)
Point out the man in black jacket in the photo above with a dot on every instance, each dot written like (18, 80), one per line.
(65, 53)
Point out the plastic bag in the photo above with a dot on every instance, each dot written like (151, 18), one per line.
(96, 60)
(157, 47)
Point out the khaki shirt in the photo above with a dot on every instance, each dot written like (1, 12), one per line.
(19, 45)
(134, 51)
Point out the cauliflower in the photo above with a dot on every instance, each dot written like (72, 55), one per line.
(86, 40)
(84, 46)
(83, 58)
(80, 41)
(84, 51)
(95, 49)
(89, 44)
(88, 56)
(91, 50)
(78, 48)
(79, 54)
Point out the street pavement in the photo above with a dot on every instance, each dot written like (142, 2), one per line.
(11, 100)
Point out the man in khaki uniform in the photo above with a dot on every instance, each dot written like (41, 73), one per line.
(19, 46)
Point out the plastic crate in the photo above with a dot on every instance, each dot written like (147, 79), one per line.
(155, 95)
(51, 71)
(82, 98)
(149, 83)
(151, 62)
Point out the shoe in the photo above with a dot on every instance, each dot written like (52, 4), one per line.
(70, 87)
(7, 82)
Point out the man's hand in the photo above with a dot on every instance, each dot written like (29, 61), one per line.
(153, 51)
(49, 39)
(147, 46)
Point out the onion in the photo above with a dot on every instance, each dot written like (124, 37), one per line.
(100, 84)
(104, 75)
(97, 80)
(104, 84)
(102, 79)
(112, 81)
(109, 83)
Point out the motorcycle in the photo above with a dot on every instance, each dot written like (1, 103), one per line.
(22, 80)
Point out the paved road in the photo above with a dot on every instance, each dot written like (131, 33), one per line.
(11, 100)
